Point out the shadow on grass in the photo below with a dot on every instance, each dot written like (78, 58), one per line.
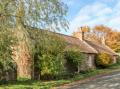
(18, 82)
(31, 84)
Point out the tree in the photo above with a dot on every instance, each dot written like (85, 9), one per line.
(113, 40)
(103, 34)
(103, 60)
(107, 35)
(98, 33)
(111, 37)
(22, 14)
(47, 14)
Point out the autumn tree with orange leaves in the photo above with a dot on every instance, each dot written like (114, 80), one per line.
(112, 37)
(100, 32)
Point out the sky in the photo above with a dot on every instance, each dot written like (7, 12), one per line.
(91, 13)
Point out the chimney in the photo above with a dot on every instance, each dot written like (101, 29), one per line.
(103, 40)
(81, 33)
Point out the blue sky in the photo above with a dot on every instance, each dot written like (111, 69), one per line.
(93, 12)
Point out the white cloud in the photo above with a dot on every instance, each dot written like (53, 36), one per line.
(115, 23)
(79, 20)
(105, 11)
(97, 13)
(115, 18)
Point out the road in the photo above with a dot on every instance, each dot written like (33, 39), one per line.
(106, 82)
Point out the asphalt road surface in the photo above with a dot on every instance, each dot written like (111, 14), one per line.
(106, 82)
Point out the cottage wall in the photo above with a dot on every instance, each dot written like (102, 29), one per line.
(114, 58)
(89, 62)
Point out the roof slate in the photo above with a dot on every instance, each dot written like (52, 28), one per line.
(101, 48)
(84, 47)
(87, 46)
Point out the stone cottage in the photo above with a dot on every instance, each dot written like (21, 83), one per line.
(84, 47)
(91, 49)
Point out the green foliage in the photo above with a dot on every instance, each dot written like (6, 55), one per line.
(51, 65)
(35, 13)
(103, 60)
(75, 58)
(6, 41)
(48, 53)
(118, 60)
(7, 65)
(45, 14)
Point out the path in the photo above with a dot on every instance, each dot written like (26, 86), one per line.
(111, 81)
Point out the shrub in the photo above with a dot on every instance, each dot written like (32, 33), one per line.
(6, 40)
(48, 55)
(118, 60)
(6, 61)
(74, 60)
(103, 60)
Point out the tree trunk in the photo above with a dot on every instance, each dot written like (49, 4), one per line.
(22, 54)
(78, 69)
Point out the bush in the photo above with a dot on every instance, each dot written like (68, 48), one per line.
(74, 60)
(50, 65)
(118, 60)
(48, 55)
(6, 61)
(103, 60)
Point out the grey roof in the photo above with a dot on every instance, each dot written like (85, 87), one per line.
(85, 46)
(73, 41)
(101, 48)
(88, 46)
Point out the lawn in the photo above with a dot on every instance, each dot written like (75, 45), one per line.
(31, 84)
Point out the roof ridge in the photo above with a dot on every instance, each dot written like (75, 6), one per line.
(64, 35)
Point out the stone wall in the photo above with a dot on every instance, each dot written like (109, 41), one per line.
(114, 58)
(8, 75)
(89, 62)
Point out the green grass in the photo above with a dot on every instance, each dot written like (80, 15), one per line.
(31, 84)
